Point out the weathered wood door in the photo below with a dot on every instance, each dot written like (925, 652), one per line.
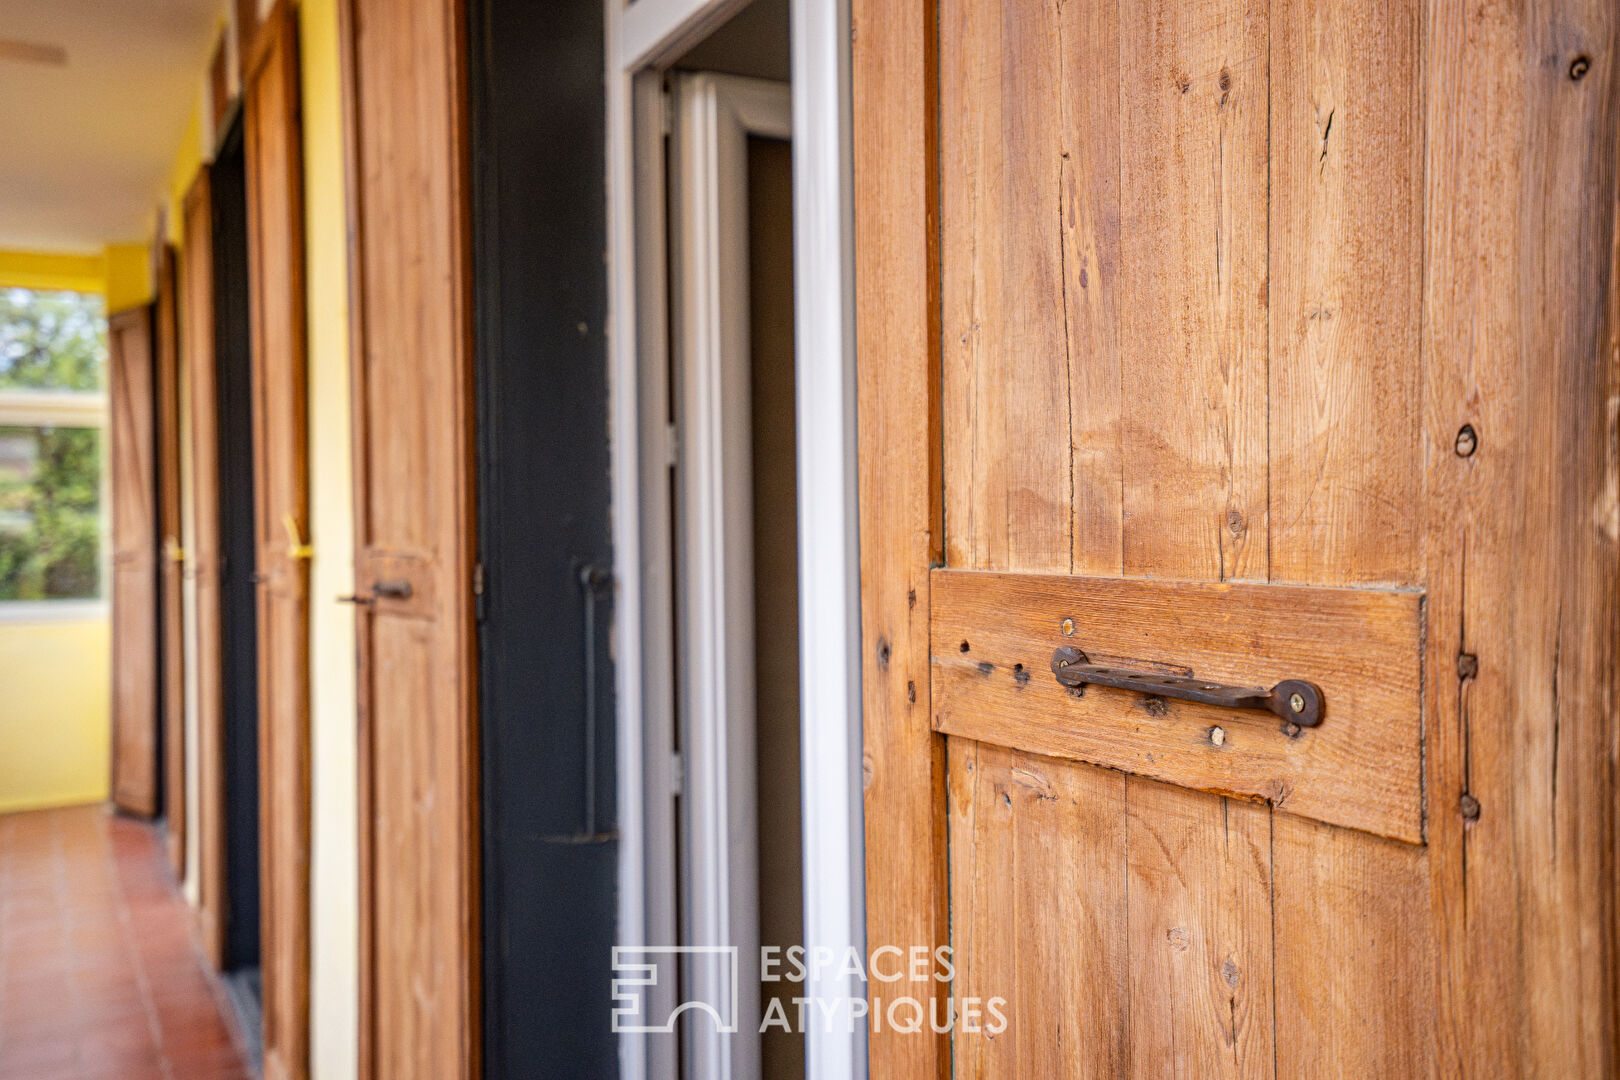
(133, 589)
(171, 646)
(1242, 341)
(274, 155)
(203, 560)
(411, 319)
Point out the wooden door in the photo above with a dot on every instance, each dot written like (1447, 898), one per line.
(411, 318)
(171, 646)
(132, 444)
(273, 149)
(1242, 341)
(197, 348)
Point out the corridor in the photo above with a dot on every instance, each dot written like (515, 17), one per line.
(99, 975)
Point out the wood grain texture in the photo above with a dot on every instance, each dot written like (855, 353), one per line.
(1200, 936)
(1026, 833)
(1005, 373)
(1346, 266)
(171, 561)
(204, 560)
(1354, 953)
(134, 586)
(893, 61)
(1339, 231)
(1193, 306)
(274, 159)
(410, 279)
(1519, 536)
(1360, 768)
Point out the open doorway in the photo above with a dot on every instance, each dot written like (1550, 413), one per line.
(740, 735)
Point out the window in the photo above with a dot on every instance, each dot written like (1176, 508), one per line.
(53, 348)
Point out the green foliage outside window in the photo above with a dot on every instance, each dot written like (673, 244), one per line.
(50, 513)
(51, 341)
(50, 477)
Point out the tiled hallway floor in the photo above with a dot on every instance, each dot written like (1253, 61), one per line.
(99, 978)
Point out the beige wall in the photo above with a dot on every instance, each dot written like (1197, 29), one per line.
(334, 978)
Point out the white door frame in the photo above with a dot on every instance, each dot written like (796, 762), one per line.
(638, 37)
(714, 117)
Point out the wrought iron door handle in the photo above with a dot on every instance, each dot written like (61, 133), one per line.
(1295, 700)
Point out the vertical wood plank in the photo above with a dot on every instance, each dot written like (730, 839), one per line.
(274, 161)
(1354, 953)
(1193, 307)
(1200, 933)
(894, 85)
(134, 585)
(1346, 270)
(1519, 538)
(1006, 390)
(197, 352)
(1346, 261)
(1029, 835)
(1088, 95)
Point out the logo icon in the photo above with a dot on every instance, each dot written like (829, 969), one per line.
(645, 986)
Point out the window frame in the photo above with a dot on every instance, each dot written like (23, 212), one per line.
(70, 409)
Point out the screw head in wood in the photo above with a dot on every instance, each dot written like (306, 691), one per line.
(1067, 626)
(1296, 701)
(1467, 441)
(1292, 730)
(1217, 736)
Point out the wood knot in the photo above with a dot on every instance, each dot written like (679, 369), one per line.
(1578, 68)
(1469, 807)
(1154, 705)
(1178, 938)
(1467, 441)
(1467, 665)
(1230, 972)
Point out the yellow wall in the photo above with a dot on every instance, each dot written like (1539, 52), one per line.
(55, 656)
(55, 731)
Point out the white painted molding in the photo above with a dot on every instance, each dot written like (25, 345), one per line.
(829, 558)
(654, 32)
(52, 408)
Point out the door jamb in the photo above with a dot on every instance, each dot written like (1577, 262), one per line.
(829, 618)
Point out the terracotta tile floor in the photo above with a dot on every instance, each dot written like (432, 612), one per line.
(99, 978)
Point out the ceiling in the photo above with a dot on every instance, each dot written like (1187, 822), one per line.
(86, 147)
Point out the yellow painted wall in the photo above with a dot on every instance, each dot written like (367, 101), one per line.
(55, 656)
(128, 275)
(55, 731)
